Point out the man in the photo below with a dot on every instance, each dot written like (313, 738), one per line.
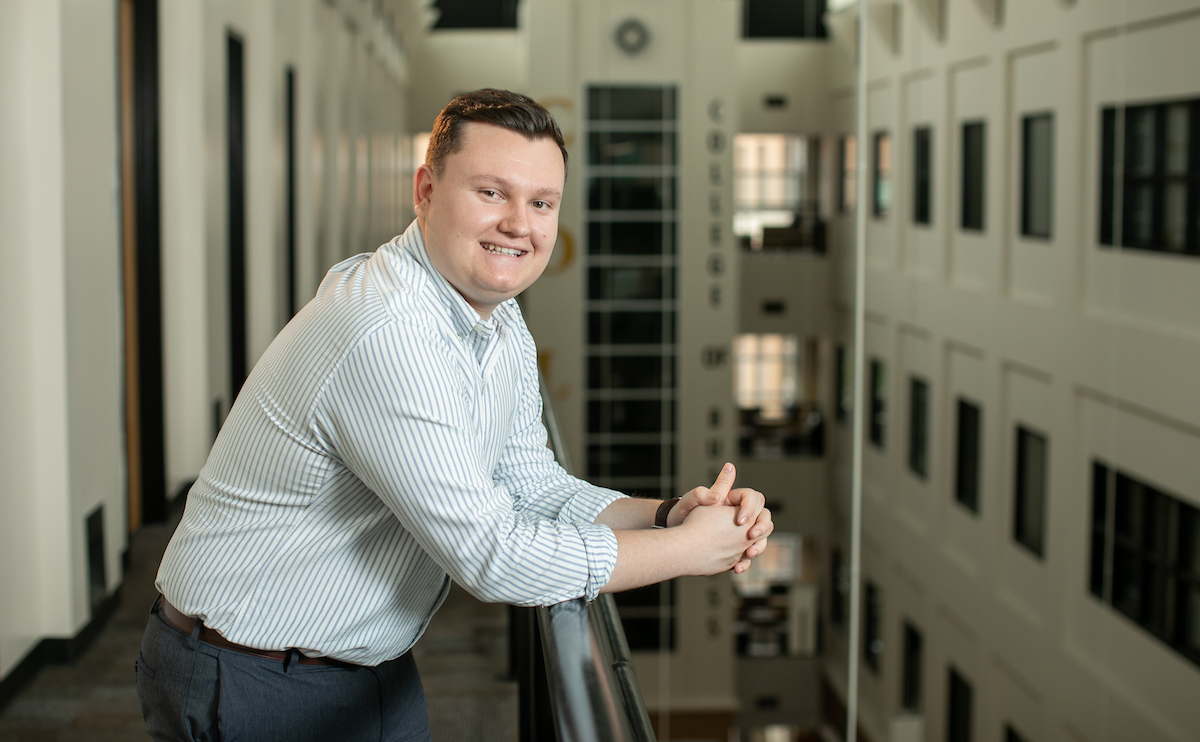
(389, 440)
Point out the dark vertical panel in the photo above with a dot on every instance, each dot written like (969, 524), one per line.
(1099, 530)
(872, 640)
(967, 452)
(844, 400)
(918, 426)
(1108, 163)
(97, 571)
(922, 176)
(837, 591)
(1192, 240)
(958, 716)
(973, 175)
(910, 676)
(289, 143)
(149, 260)
(1029, 502)
(235, 144)
(877, 420)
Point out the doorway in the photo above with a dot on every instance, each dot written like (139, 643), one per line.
(141, 261)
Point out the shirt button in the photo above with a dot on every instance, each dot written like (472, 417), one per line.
(479, 327)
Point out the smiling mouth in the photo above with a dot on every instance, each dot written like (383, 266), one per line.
(497, 250)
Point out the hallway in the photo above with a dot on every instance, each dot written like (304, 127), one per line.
(463, 657)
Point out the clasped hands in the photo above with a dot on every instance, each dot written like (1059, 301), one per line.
(746, 507)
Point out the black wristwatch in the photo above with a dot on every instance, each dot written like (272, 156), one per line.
(660, 518)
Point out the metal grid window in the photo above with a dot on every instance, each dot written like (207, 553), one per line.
(632, 186)
(1145, 557)
(1158, 178)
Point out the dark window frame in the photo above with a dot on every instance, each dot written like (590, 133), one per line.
(457, 15)
(843, 387)
(1144, 544)
(1031, 169)
(1026, 501)
(1116, 118)
(973, 195)
(784, 19)
(910, 669)
(877, 409)
(959, 700)
(923, 175)
(918, 426)
(872, 627)
(838, 588)
(881, 197)
(968, 454)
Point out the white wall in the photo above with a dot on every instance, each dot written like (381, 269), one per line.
(1091, 345)
(60, 448)
(185, 280)
(350, 106)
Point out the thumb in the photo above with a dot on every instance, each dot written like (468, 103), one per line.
(720, 489)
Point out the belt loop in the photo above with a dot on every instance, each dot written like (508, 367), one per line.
(157, 606)
(290, 657)
(196, 632)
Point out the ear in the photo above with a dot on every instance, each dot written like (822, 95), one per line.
(422, 189)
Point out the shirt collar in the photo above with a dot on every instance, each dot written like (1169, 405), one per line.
(463, 316)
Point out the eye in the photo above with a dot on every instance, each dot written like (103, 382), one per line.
(542, 205)
(490, 193)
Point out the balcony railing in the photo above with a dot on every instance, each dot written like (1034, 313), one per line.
(572, 664)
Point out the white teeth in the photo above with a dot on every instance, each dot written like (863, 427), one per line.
(496, 249)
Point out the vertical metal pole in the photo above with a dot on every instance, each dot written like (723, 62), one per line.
(860, 367)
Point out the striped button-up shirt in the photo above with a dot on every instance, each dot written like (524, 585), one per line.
(389, 440)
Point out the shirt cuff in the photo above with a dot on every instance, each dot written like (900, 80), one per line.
(600, 544)
(585, 505)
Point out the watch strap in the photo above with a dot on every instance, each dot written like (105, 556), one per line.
(660, 517)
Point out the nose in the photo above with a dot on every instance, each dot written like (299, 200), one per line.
(515, 221)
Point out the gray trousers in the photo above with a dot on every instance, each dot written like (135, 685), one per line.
(196, 692)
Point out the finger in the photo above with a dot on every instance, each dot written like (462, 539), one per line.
(756, 549)
(694, 497)
(741, 566)
(724, 481)
(751, 501)
(763, 526)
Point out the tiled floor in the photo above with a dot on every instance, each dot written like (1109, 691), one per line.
(462, 659)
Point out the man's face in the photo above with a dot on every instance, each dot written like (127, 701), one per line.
(490, 220)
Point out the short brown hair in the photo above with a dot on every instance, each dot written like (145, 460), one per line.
(503, 108)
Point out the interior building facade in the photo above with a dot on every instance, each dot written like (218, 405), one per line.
(176, 176)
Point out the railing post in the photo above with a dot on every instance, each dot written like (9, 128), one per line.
(527, 665)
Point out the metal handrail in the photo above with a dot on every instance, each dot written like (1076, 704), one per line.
(593, 691)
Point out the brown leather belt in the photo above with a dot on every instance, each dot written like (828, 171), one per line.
(184, 623)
